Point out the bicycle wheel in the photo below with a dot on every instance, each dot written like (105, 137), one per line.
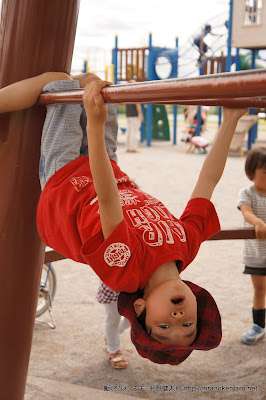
(47, 284)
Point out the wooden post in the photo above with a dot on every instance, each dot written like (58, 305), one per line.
(36, 36)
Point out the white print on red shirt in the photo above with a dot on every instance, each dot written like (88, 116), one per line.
(156, 224)
(117, 255)
(79, 182)
(93, 200)
(127, 198)
(121, 180)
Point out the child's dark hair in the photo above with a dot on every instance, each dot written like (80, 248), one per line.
(256, 158)
(141, 318)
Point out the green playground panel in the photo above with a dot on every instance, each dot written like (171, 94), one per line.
(160, 124)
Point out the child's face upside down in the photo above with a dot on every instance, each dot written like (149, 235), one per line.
(171, 313)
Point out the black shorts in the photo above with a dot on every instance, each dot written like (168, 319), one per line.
(255, 271)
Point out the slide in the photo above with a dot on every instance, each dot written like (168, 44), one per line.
(246, 61)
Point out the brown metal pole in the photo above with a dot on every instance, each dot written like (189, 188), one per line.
(231, 89)
(234, 234)
(36, 36)
(75, 96)
(226, 85)
(233, 103)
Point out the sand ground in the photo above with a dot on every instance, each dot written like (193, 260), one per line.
(74, 354)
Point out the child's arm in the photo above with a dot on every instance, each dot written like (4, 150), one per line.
(25, 93)
(103, 176)
(214, 163)
(85, 79)
(260, 226)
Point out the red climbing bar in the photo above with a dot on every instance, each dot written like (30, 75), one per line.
(75, 96)
(234, 233)
(219, 87)
(233, 103)
(68, 96)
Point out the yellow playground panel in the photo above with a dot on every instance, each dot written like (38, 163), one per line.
(98, 63)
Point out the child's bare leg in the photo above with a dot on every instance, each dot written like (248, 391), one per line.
(259, 284)
(25, 93)
(84, 79)
(62, 134)
(111, 124)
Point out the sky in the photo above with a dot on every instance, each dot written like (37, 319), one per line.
(100, 20)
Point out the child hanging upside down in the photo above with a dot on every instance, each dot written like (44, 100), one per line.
(91, 212)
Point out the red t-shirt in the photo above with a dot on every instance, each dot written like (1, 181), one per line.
(69, 222)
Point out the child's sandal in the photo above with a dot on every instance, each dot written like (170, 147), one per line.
(118, 360)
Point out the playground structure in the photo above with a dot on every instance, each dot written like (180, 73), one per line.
(250, 32)
(96, 63)
(47, 291)
(247, 20)
(243, 126)
(28, 45)
(228, 31)
(246, 30)
(141, 64)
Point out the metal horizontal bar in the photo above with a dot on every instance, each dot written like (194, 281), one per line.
(68, 96)
(233, 234)
(75, 97)
(232, 85)
(52, 255)
(233, 103)
(224, 234)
